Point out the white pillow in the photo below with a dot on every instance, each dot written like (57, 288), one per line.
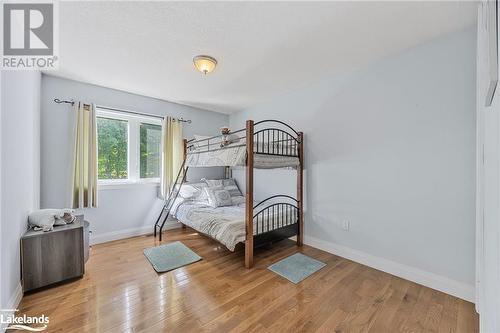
(218, 197)
(193, 191)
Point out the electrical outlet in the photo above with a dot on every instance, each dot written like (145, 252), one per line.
(345, 225)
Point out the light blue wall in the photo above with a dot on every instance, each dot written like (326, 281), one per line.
(391, 148)
(20, 172)
(122, 209)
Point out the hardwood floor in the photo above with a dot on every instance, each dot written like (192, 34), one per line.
(121, 292)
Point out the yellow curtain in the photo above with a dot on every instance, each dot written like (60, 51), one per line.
(84, 177)
(173, 153)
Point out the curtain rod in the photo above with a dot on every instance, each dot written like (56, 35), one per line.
(58, 101)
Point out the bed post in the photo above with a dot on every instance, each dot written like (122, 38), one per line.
(227, 172)
(249, 197)
(184, 155)
(184, 151)
(300, 189)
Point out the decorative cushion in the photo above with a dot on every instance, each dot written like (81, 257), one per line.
(228, 184)
(218, 197)
(45, 219)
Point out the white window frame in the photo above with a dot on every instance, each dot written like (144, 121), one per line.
(133, 147)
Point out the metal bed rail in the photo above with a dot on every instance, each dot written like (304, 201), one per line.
(275, 212)
(279, 140)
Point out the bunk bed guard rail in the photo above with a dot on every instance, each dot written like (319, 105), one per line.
(276, 218)
(273, 140)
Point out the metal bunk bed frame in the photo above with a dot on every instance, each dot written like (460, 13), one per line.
(285, 218)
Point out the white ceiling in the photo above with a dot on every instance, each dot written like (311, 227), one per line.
(263, 48)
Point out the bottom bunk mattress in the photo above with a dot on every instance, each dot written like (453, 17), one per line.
(224, 224)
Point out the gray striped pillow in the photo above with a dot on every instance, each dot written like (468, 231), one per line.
(228, 185)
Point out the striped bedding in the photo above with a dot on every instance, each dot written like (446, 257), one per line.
(224, 224)
(236, 156)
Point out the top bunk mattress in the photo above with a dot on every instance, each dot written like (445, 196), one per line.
(236, 156)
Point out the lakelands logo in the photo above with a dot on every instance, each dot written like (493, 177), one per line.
(29, 35)
(9, 320)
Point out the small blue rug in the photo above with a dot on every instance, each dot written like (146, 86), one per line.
(170, 256)
(296, 267)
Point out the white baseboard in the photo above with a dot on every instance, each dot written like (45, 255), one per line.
(14, 301)
(126, 233)
(428, 279)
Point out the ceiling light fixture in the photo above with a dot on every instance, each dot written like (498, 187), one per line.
(204, 63)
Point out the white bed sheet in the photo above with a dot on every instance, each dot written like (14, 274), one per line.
(224, 224)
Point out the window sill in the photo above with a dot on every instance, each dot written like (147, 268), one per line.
(120, 185)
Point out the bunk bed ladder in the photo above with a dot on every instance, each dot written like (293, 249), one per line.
(169, 201)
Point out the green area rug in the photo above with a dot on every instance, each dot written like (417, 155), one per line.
(296, 267)
(170, 256)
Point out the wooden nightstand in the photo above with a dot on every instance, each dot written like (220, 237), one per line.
(54, 256)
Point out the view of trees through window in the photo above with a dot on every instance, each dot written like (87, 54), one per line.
(112, 142)
(150, 141)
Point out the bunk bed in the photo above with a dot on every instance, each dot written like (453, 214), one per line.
(266, 144)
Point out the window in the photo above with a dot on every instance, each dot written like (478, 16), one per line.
(150, 140)
(128, 147)
(112, 147)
